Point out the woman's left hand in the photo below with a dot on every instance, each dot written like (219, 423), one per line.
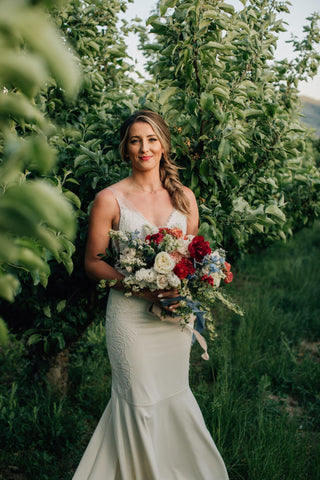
(167, 295)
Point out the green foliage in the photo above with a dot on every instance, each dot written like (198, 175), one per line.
(235, 116)
(37, 424)
(86, 147)
(37, 223)
(3, 333)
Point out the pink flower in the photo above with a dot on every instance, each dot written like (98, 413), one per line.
(176, 232)
(228, 278)
(176, 256)
(227, 266)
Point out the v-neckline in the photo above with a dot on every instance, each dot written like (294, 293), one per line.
(133, 208)
(148, 221)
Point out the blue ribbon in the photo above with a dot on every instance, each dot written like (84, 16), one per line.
(194, 305)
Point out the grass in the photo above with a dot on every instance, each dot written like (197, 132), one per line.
(259, 392)
(264, 402)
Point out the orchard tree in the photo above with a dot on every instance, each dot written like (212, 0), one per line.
(235, 116)
(86, 143)
(36, 221)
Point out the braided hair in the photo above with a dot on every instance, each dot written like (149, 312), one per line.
(169, 175)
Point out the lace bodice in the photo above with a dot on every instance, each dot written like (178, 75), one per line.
(131, 219)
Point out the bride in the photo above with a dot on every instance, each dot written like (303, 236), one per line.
(152, 427)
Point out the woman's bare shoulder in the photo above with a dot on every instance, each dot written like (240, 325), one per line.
(108, 195)
(189, 194)
(105, 201)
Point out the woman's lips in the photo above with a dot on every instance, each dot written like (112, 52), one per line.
(145, 158)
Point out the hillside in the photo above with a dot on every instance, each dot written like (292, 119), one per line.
(311, 111)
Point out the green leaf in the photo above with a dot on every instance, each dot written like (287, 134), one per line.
(226, 7)
(258, 227)
(253, 113)
(61, 305)
(206, 101)
(73, 198)
(220, 93)
(23, 70)
(34, 338)
(18, 107)
(166, 94)
(204, 168)
(275, 211)
(50, 46)
(4, 337)
(47, 311)
(9, 286)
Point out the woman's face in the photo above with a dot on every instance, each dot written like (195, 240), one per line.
(144, 149)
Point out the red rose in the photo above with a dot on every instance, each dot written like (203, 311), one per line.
(184, 268)
(199, 248)
(208, 279)
(227, 266)
(155, 238)
(228, 278)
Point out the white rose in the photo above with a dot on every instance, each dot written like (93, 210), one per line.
(162, 281)
(163, 263)
(173, 280)
(183, 247)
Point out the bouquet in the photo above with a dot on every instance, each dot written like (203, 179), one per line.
(166, 259)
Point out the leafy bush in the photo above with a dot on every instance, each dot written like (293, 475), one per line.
(36, 221)
(235, 116)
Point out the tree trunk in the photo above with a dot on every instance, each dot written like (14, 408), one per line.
(57, 375)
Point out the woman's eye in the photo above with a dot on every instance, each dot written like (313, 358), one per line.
(153, 139)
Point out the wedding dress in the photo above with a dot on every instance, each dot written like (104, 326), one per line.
(152, 427)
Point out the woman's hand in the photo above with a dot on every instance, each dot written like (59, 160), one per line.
(158, 295)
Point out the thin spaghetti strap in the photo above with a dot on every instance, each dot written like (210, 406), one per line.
(114, 191)
(118, 195)
(122, 200)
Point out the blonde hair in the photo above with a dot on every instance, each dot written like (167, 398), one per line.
(169, 173)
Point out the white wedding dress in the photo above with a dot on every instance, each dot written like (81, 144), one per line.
(152, 427)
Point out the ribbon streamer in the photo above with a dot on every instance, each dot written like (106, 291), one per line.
(158, 311)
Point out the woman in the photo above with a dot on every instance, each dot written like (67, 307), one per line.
(152, 428)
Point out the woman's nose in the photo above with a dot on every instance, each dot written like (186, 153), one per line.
(144, 146)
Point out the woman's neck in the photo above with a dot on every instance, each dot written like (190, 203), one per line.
(145, 183)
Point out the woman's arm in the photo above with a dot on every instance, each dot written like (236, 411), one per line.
(104, 212)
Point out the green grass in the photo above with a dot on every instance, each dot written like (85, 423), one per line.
(259, 392)
(263, 404)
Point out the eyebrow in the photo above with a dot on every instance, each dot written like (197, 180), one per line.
(138, 136)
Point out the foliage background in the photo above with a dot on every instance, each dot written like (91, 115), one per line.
(236, 129)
